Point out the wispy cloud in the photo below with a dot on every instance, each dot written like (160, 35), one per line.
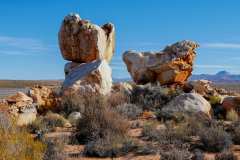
(221, 45)
(23, 46)
(208, 66)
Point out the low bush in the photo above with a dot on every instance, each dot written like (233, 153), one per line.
(130, 111)
(16, 143)
(111, 146)
(214, 139)
(176, 154)
(47, 123)
(214, 100)
(236, 132)
(98, 121)
(169, 136)
(54, 149)
(152, 97)
(72, 103)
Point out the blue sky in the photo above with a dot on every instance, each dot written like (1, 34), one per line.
(29, 42)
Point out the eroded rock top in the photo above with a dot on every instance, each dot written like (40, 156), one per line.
(81, 41)
(172, 65)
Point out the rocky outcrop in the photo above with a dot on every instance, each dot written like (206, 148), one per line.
(44, 97)
(89, 48)
(172, 65)
(81, 41)
(231, 103)
(93, 77)
(187, 103)
(20, 99)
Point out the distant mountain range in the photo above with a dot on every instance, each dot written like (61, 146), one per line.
(220, 77)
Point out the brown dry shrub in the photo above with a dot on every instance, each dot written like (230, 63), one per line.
(99, 120)
(16, 143)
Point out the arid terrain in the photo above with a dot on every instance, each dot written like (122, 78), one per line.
(160, 114)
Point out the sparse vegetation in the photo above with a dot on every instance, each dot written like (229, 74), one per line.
(128, 110)
(111, 146)
(176, 154)
(47, 123)
(99, 121)
(54, 149)
(215, 139)
(152, 97)
(16, 143)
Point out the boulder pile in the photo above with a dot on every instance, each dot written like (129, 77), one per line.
(173, 65)
(89, 47)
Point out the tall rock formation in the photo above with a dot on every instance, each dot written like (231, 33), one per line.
(173, 65)
(89, 48)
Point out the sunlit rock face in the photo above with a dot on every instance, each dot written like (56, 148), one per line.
(172, 65)
(88, 78)
(81, 41)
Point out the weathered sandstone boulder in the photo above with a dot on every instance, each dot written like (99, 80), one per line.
(81, 41)
(172, 65)
(231, 103)
(44, 97)
(93, 77)
(20, 99)
(187, 103)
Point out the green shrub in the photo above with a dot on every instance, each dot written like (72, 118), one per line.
(214, 100)
(16, 143)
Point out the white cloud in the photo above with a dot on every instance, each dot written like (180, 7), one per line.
(23, 46)
(221, 45)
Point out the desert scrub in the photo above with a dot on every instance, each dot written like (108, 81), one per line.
(235, 132)
(130, 111)
(72, 103)
(16, 143)
(151, 97)
(214, 138)
(99, 121)
(111, 146)
(54, 149)
(176, 154)
(47, 123)
(169, 136)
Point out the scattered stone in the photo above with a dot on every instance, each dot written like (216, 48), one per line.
(172, 65)
(74, 117)
(94, 77)
(81, 41)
